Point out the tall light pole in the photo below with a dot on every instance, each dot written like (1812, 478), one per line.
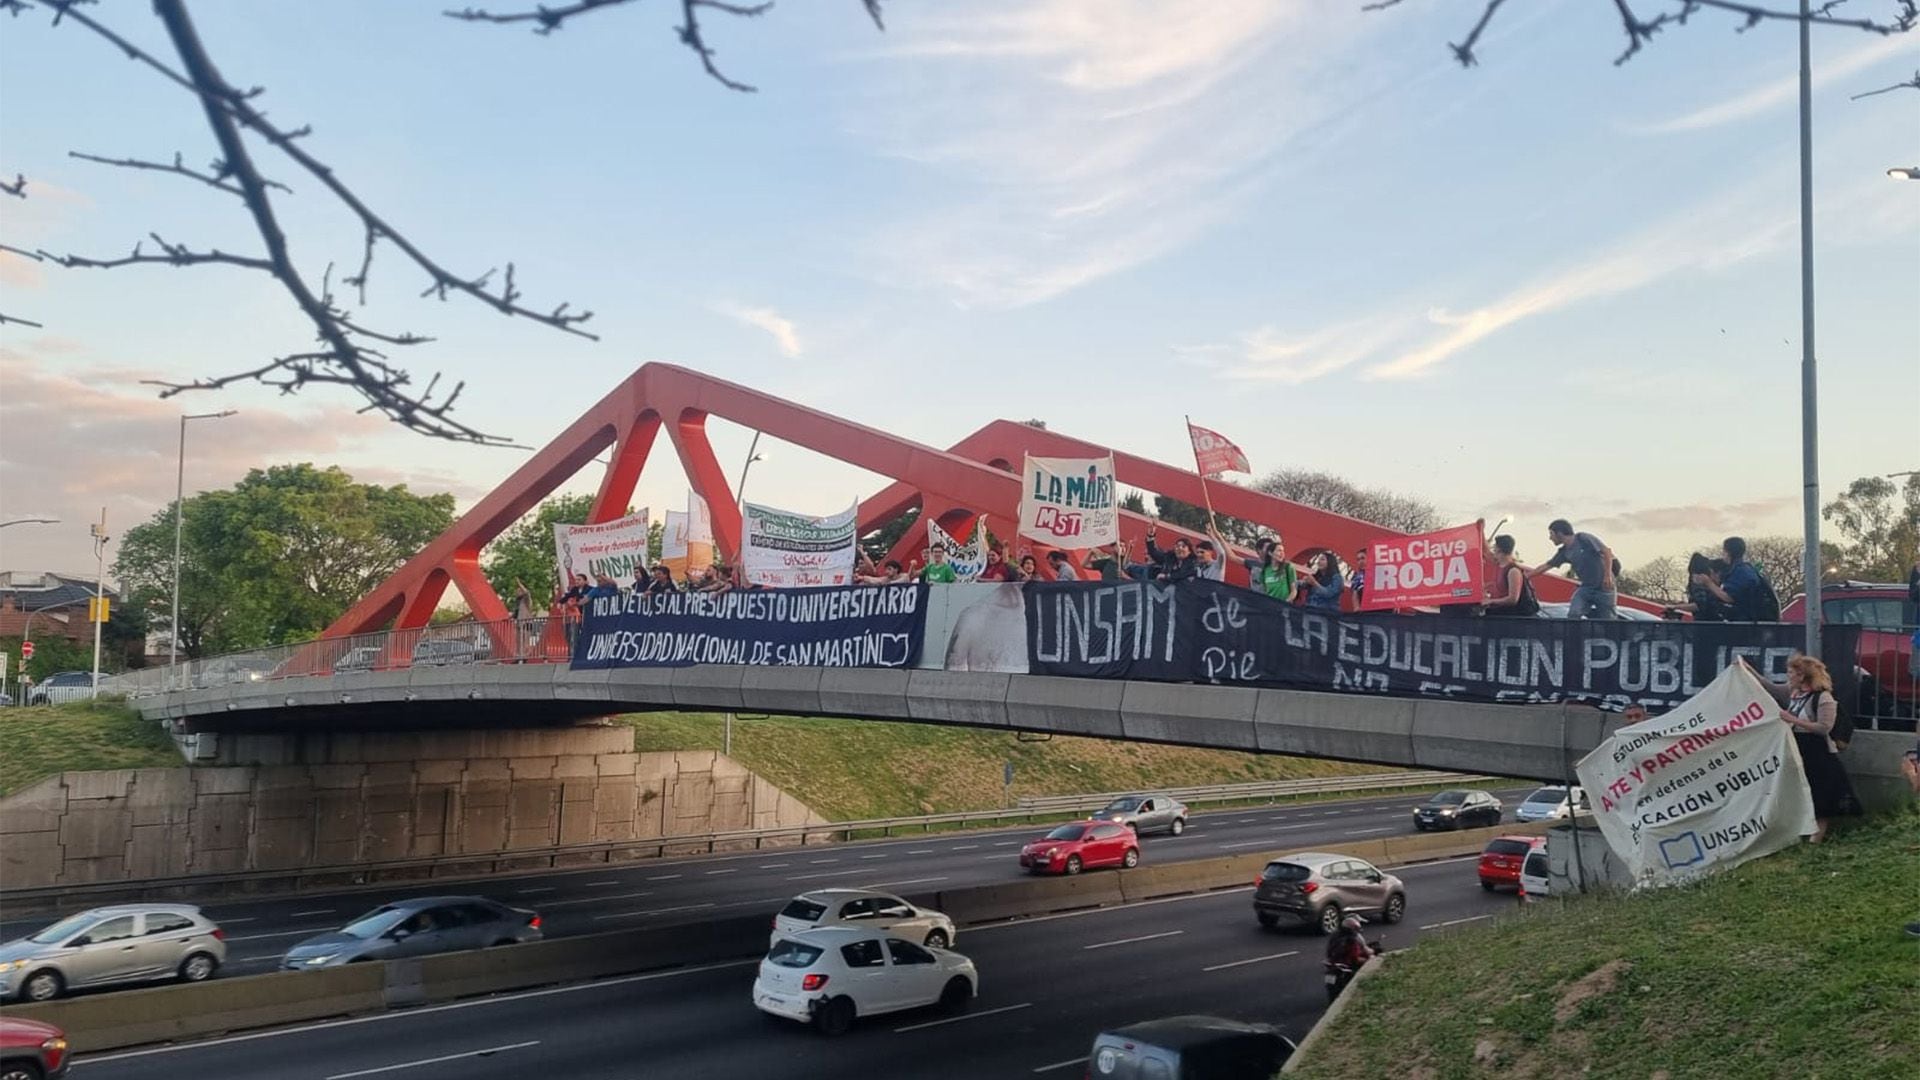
(1809, 382)
(740, 489)
(99, 592)
(179, 519)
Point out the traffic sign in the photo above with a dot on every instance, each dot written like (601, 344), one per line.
(97, 609)
(26, 651)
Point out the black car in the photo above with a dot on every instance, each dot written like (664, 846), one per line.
(1460, 808)
(1189, 1048)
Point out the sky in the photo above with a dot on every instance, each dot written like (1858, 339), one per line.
(1546, 286)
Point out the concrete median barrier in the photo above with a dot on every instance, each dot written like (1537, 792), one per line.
(591, 956)
(1035, 896)
(163, 1013)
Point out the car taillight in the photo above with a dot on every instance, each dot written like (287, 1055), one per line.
(813, 982)
(533, 922)
(219, 934)
(1309, 886)
(776, 922)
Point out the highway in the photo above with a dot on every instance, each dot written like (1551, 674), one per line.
(1048, 985)
(613, 896)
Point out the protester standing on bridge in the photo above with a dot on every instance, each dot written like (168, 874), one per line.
(937, 571)
(1704, 575)
(1593, 566)
(662, 582)
(1509, 592)
(1062, 569)
(997, 568)
(1324, 583)
(1271, 573)
(577, 592)
(1357, 581)
(1811, 710)
(1180, 564)
(522, 601)
(1210, 566)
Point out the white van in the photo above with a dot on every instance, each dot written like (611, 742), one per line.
(1533, 874)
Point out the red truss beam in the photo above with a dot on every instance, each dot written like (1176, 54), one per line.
(974, 477)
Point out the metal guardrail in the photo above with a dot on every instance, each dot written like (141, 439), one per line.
(1259, 789)
(490, 862)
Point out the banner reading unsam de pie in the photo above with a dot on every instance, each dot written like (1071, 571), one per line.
(616, 548)
(1710, 785)
(785, 550)
(1070, 502)
(1440, 567)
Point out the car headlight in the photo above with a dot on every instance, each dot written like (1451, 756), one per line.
(55, 1045)
(12, 965)
(316, 961)
(1447, 812)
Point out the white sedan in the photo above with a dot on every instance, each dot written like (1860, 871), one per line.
(865, 909)
(830, 976)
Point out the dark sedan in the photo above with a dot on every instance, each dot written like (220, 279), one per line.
(1461, 808)
(417, 927)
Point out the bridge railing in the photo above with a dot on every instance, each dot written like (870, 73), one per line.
(1259, 789)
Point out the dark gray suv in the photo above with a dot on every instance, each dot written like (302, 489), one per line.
(1318, 890)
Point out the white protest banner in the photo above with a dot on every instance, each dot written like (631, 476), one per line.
(1070, 502)
(966, 559)
(683, 550)
(783, 549)
(616, 548)
(1710, 785)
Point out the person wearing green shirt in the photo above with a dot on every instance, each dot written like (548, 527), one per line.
(1271, 573)
(938, 571)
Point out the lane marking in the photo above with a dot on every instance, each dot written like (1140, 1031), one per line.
(926, 850)
(968, 1016)
(1008, 843)
(897, 884)
(880, 856)
(1060, 1064)
(1457, 922)
(1245, 820)
(965, 847)
(665, 877)
(657, 911)
(488, 1052)
(421, 1010)
(230, 922)
(1216, 894)
(995, 855)
(710, 873)
(530, 892)
(1254, 960)
(308, 932)
(315, 911)
(827, 874)
(597, 884)
(1132, 940)
(822, 862)
(1332, 813)
(773, 865)
(1363, 832)
(597, 899)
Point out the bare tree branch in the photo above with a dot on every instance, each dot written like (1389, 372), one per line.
(1640, 30)
(171, 255)
(213, 179)
(1910, 84)
(18, 188)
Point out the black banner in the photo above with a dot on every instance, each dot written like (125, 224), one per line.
(863, 626)
(1207, 632)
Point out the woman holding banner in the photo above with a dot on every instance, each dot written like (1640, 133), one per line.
(1811, 710)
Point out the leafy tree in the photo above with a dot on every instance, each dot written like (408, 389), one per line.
(1402, 513)
(276, 558)
(880, 541)
(1880, 524)
(51, 653)
(1134, 502)
(525, 552)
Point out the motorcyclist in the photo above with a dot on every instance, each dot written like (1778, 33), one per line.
(1347, 947)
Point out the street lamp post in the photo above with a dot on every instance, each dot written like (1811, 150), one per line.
(30, 521)
(740, 489)
(179, 519)
(99, 592)
(1809, 382)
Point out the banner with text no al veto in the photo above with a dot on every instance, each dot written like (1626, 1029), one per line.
(1070, 502)
(1441, 567)
(1712, 784)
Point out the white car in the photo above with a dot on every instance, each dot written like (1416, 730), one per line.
(1552, 803)
(867, 910)
(1533, 874)
(830, 976)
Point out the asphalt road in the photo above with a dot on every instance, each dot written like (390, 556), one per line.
(1048, 985)
(613, 896)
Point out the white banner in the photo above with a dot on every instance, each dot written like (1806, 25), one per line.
(683, 548)
(1070, 502)
(1710, 785)
(616, 548)
(782, 549)
(967, 559)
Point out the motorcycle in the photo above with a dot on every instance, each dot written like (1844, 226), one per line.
(1339, 974)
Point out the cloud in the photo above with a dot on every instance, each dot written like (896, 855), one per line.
(1779, 92)
(20, 272)
(1722, 518)
(1081, 138)
(777, 326)
(78, 438)
(1270, 355)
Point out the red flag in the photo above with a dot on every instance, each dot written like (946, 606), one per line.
(1214, 453)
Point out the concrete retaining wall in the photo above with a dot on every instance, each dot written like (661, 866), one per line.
(346, 797)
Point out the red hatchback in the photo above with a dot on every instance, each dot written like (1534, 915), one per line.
(1500, 863)
(1082, 845)
(31, 1049)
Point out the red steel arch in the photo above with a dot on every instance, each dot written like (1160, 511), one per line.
(953, 485)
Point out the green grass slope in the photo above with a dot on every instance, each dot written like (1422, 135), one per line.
(39, 740)
(856, 769)
(1792, 966)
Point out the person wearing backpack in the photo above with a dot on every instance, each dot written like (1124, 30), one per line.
(1814, 713)
(1509, 593)
(1748, 594)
